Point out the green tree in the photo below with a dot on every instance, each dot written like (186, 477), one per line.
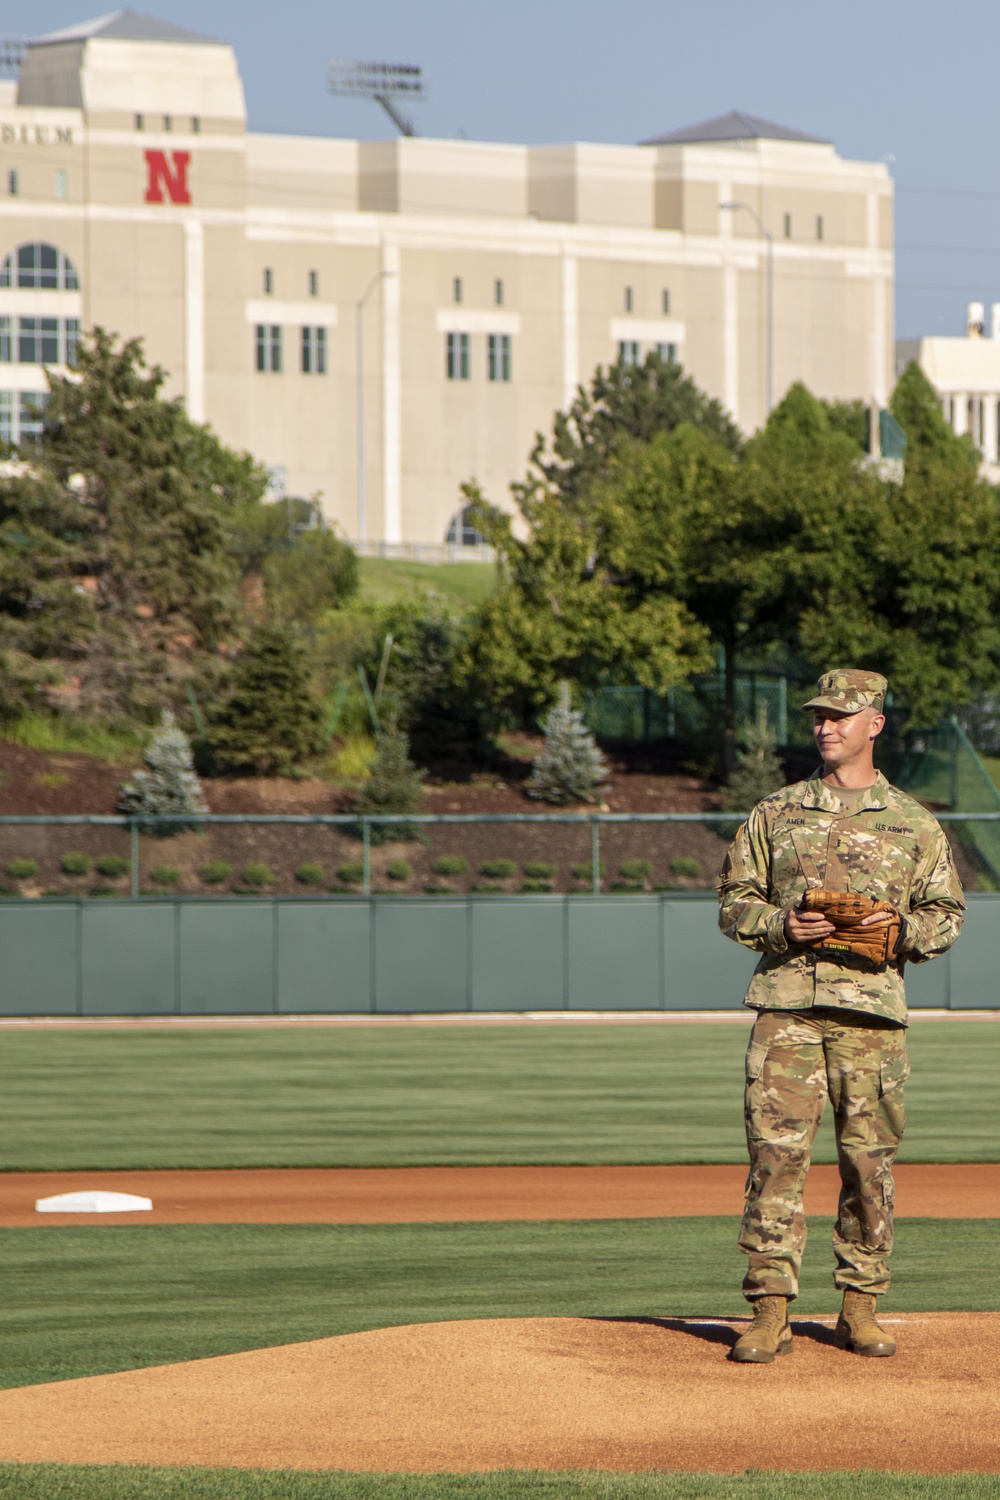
(759, 771)
(169, 785)
(272, 721)
(929, 438)
(393, 785)
(569, 767)
(304, 567)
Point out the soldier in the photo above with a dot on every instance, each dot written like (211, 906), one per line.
(830, 1021)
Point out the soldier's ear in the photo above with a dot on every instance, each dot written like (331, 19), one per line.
(876, 725)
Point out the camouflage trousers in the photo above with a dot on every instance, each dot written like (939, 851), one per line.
(794, 1060)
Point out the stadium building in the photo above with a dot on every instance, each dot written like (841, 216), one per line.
(497, 277)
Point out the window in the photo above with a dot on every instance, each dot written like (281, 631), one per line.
(314, 351)
(788, 226)
(140, 122)
(62, 183)
(22, 415)
(664, 301)
(498, 292)
(314, 283)
(668, 353)
(819, 226)
(12, 183)
(168, 122)
(196, 124)
(458, 363)
(40, 266)
(269, 348)
(629, 299)
(461, 532)
(628, 352)
(39, 341)
(498, 356)
(456, 289)
(268, 281)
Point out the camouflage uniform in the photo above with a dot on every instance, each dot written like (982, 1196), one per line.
(830, 1027)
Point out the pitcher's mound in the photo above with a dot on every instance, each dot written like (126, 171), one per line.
(539, 1393)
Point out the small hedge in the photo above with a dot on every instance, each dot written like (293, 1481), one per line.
(685, 865)
(498, 869)
(112, 865)
(165, 875)
(22, 869)
(215, 872)
(635, 869)
(75, 863)
(257, 875)
(438, 890)
(310, 874)
(352, 874)
(627, 887)
(536, 887)
(586, 872)
(450, 864)
(399, 870)
(486, 888)
(537, 869)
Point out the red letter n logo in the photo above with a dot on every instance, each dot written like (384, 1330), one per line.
(170, 174)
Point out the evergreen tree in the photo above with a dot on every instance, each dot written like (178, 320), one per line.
(170, 785)
(759, 771)
(393, 786)
(272, 720)
(570, 766)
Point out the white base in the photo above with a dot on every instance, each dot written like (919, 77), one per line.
(92, 1203)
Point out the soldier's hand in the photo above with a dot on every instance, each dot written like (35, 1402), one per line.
(807, 926)
(879, 919)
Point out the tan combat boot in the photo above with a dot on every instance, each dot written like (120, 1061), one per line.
(857, 1329)
(769, 1334)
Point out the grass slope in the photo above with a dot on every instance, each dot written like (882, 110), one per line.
(64, 1482)
(92, 1300)
(444, 1095)
(384, 579)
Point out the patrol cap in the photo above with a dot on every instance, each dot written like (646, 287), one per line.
(848, 691)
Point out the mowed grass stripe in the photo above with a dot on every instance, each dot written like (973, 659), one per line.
(93, 1300)
(441, 1096)
(64, 1482)
(72, 1482)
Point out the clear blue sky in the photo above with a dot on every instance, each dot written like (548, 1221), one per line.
(909, 78)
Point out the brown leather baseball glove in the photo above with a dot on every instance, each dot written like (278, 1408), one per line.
(876, 945)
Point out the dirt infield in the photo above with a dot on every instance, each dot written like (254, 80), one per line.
(425, 1195)
(545, 1393)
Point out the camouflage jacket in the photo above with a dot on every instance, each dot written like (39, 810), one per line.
(802, 838)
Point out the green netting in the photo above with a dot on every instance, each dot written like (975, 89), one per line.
(941, 767)
(692, 712)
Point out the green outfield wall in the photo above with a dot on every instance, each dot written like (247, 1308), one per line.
(399, 954)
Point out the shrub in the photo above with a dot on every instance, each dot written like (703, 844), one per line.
(486, 888)
(22, 869)
(310, 874)
(498, 869)
(450, 864)
(635, 869)
(536, 887)
(586, 871)
(628, 887)
(165, 875)
(215, 872)
(102, 890)
(112, 865)
(438, 890)
(170, 784)
(536, 869)
(759, 771)
(355, 757)
(392, 787)
(399, 870)
(570, 766)
(272, 721)
(75, 863)
(352, 874)
(257, 875)
(685, 865)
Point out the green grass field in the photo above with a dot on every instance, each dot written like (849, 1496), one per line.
(55, 1482)
(463, 583)
(370, 1097)
(91, 1300)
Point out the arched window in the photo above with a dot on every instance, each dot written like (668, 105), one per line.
(462, 533)
(40, 266)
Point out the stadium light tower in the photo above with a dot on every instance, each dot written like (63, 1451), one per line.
(383, 82)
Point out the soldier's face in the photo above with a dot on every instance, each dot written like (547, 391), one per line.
(841, 738)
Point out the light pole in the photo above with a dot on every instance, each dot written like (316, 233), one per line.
(360, 334)
(732, 207)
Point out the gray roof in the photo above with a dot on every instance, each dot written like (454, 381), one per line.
(734, 126)
(124, 26)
